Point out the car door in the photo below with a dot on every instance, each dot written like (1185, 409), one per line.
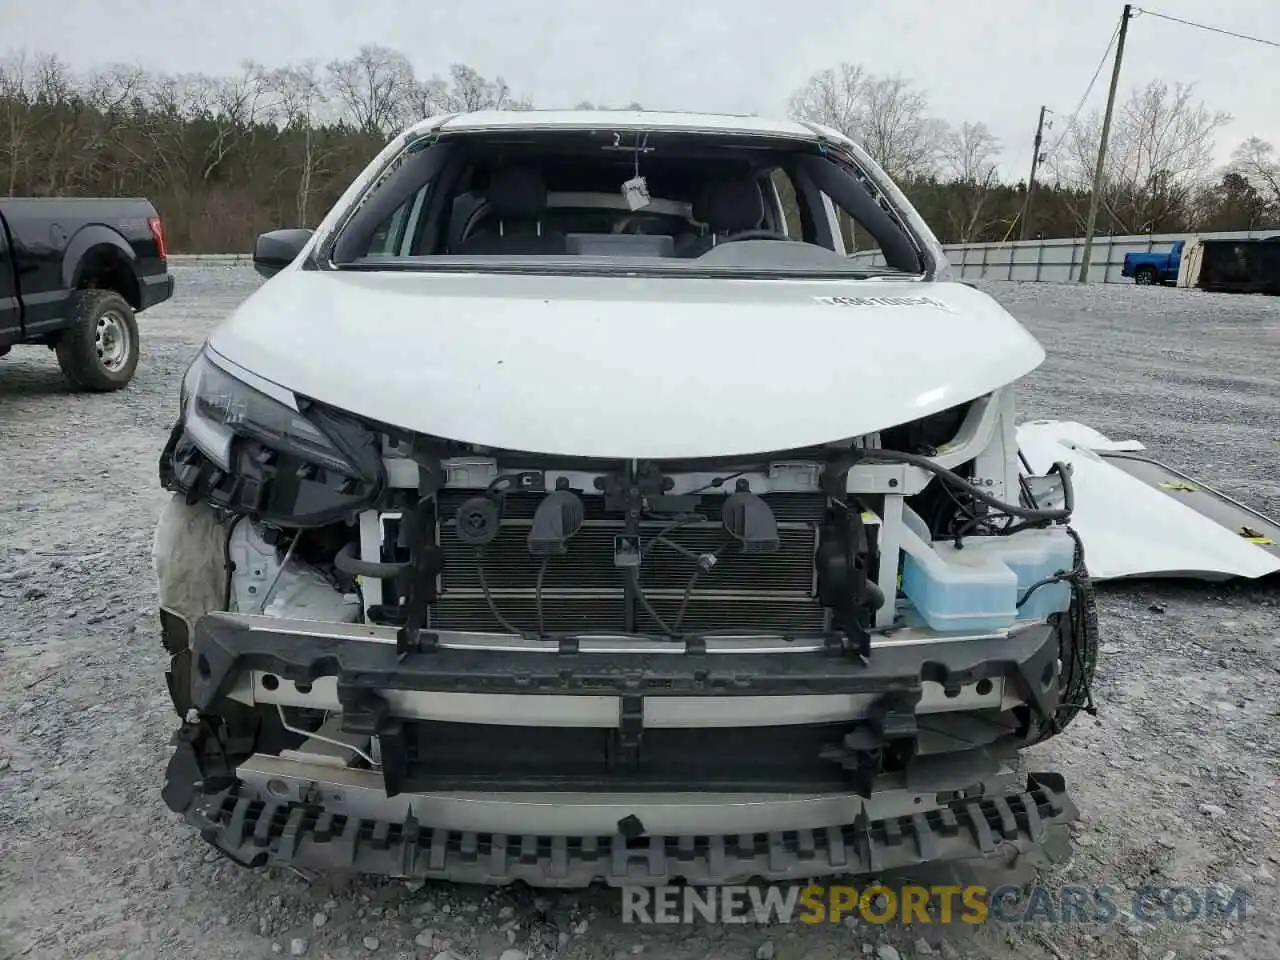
(10, 312)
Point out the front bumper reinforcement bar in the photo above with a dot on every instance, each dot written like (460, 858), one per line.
(227, 644)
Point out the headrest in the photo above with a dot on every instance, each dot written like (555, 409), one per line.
(517, 192)
(730, 205)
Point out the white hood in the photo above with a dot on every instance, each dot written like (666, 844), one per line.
(627, 367)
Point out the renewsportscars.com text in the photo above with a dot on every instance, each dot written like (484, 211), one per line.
(942, 904)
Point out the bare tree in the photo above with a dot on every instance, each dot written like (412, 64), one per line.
(56, 95)
(1256, 161)
(468, 91)
(886, 115)
(116, 89)
(465, 91)
(299, 100)
(119, 94)
(968, 156)
(900, 134)
(834, 97)
(375, 87)
(15, 114)
(186, 126)
(230, 106)
(429, 98)
(52, 81)
(1160, 152)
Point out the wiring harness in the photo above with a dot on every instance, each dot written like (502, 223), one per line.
(1078, 626)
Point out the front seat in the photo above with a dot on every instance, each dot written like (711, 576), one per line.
(517, 199)
(726, 207)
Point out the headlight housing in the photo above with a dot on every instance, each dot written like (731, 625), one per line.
(252, 452)
(217, 408)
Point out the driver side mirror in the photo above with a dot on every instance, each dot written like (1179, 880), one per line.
(274, 251)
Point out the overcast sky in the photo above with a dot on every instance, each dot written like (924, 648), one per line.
(985, 60)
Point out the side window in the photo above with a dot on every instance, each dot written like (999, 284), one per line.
(395, 235)
(857, 239)
(790, 203)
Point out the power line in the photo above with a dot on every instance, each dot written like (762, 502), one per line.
(1205, 26)
(1101, 63)
(1088, 90)
(1070, 123)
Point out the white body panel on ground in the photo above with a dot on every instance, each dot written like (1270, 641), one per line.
(1130, 529)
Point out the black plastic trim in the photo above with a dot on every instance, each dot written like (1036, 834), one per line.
(225, 644)
(258, 833)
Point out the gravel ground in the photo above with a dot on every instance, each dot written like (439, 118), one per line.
(1176, 777)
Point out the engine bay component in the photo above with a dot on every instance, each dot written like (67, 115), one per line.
(558, 517)
(588, 586)
(263, 581)
(749, 520)
(477, 521)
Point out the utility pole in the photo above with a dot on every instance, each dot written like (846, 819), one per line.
(1096, 196)
(1031, 180)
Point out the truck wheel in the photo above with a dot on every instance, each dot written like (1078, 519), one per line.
(1145, 276)
(99, 351)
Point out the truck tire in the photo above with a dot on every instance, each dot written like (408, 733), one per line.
(1146, 276)
(99, 350)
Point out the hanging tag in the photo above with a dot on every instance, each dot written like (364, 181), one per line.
(636, 192)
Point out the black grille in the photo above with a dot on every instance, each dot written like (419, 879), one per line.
(582, 590)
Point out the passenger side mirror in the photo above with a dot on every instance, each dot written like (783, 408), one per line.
(274, 251)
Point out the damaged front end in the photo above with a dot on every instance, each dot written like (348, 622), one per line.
(406, 655)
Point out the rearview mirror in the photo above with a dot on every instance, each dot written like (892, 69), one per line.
(274, 251)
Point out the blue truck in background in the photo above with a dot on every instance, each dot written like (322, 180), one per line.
(1152, 268)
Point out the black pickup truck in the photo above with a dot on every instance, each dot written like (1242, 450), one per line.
(73, 274)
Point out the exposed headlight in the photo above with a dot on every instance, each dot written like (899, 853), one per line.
(217, 407)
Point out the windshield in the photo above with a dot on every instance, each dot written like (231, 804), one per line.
(636, 203)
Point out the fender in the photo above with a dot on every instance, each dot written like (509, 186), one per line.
(85, 240)
(1139, 517)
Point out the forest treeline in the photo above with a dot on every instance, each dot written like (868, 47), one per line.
(225, 158)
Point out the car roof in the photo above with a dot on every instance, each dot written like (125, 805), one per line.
(618, 120)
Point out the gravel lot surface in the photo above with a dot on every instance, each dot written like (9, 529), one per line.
(1176, 777)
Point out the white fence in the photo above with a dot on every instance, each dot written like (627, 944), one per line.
(1059, 260)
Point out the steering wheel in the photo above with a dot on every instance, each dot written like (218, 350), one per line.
(753, 235)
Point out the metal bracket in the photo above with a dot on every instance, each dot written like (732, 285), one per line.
(475, 473)
(891, 721)
(890, 545)
(630, 732)
(802, 477)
